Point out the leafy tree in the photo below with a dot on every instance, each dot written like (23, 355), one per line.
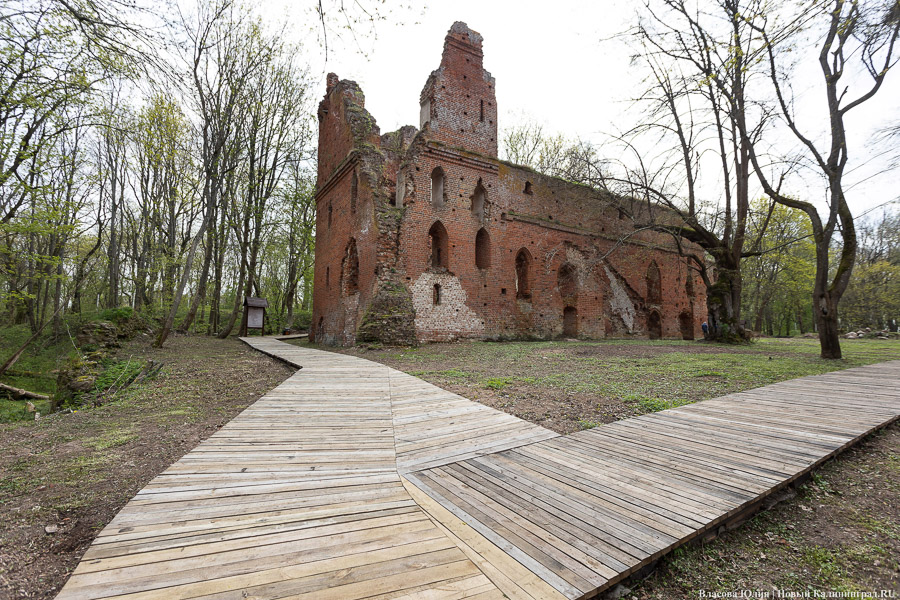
(779, 272)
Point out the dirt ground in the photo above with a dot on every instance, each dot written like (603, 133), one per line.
(69, 474)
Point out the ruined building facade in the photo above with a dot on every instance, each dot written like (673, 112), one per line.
(425, 235)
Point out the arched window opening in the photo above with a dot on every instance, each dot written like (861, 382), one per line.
(570, 321)
(350, 269)
(528, 189)
(523, 274)
(567, 280)
(482, 249)
(654, 326)
(438, 186)
(436, 294)
(654, 285)
(439, 245)
(478, 200)
(354, 191)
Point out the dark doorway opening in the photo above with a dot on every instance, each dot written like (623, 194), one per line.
(654, 326)
(570, 322)
(686, 323)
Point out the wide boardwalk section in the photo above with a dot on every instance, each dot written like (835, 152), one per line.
(354, 480)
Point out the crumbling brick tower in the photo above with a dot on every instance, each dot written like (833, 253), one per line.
(425, 235)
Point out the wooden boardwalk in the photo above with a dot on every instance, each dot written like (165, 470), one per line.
(354, 480)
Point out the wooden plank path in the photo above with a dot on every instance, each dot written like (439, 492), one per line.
(354, 480)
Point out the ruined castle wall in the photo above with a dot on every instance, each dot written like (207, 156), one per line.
(555, 223)
(347, 235)
(403, 195)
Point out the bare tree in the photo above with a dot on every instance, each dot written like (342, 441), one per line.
(859, 40)
(690, 176)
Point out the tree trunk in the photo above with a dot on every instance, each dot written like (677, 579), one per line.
(723, 303)
(214, 308)
(200, 296)
(826, 314)
(238, 302)
(179, 291)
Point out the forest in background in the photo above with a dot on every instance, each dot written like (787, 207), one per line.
(165, 162)
(167, 169)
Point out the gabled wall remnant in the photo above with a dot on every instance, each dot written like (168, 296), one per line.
(444, 234)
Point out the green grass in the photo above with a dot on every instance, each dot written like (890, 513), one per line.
(498, 383)
(646, 376)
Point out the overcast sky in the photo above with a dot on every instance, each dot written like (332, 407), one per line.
(554, 63)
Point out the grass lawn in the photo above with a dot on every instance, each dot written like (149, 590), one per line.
(567, 386)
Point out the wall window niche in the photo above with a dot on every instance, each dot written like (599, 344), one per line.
(483, 249)
(439, 245)
(350, 269)
(523, 274)
(528, 189)
(354, 191)
(567, 280)
(436, 294)
(478, 200)
(654, 285)
(438, 187)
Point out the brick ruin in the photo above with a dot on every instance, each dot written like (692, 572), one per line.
(424, 235)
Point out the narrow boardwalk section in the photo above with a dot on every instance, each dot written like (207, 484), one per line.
(354, 480)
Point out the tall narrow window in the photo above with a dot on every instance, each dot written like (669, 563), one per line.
(437, 186)
(327, 276)
(523, 274)
(654, 286)
(329, 215)
(689, 284)
(350, 269)
(527, 189)
(566, 279)
(439, 245)
(354, 191)
(482, 249)
(436, 294)
(478, 199)
(482, 111)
